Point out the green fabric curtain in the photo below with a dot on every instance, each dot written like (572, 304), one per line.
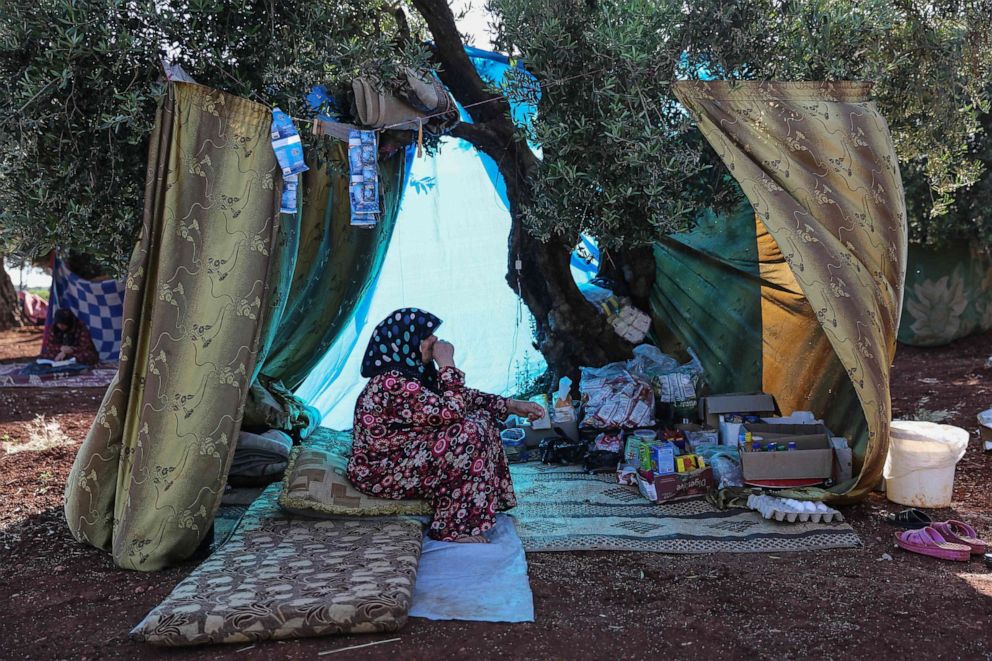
(724, 290)
(335, 265)
(225, 296)
(707, 296)
(948, 294)
(148, 479)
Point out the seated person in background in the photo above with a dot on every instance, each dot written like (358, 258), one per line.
(420, 433)
(70, 338)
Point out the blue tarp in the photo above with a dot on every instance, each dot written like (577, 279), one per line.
(448, 254)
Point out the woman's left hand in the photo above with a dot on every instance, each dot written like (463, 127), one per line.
(531, 410)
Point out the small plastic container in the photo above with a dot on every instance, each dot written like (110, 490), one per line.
(514, 444)
(646, 435)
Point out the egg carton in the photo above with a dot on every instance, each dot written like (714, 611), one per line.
(788, 510)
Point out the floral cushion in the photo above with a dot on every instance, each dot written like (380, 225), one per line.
(316, 484)
(281, 577)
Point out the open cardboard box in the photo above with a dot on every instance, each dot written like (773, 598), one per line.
(713, 408)
(813, 457)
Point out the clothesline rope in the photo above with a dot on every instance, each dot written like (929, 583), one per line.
(493, 99)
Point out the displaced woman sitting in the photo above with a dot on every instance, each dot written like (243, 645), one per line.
(69, 338)
(420, 433)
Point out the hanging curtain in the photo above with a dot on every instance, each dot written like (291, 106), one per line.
(817, 164)
(148, 479)
(335, 265)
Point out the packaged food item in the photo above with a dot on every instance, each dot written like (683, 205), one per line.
(608, 442)
(544, 422)
(286, 144)
(631, 449)
(615, 399)
(627, 475)
(644, 456)
(662, 459)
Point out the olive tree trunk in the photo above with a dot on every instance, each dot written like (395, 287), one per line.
(570, 332)
(10, 312)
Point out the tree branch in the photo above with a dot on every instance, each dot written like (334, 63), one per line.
(484, 138)
(457, 71)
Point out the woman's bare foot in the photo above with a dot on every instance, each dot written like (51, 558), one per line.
(471, 539)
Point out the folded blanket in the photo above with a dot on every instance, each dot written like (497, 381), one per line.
(260, 455)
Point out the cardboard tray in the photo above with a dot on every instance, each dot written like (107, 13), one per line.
(813, 458)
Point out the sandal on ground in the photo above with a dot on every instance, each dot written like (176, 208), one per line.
(930, 542)
(911, 519)
(959, 532)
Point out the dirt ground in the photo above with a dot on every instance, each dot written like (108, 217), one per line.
(59, 599)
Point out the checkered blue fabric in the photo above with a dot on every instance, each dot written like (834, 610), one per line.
(99, 305)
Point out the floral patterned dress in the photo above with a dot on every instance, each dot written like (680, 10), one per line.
(411, 442)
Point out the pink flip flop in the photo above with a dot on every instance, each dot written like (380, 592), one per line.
(928, 541)
(959, 532)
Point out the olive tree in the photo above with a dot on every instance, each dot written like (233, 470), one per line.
(620, 159)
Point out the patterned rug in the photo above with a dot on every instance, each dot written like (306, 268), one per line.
(565, 509)
(227, 519)
(98, 377)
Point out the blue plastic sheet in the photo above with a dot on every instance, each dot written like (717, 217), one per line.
(448, 255)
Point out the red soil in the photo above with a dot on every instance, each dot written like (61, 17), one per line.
(60, 599)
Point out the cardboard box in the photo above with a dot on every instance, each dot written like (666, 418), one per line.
(683, 485)
(843, 459)
(710, 408)
(813, 457)
(536, 434)
(664, 488)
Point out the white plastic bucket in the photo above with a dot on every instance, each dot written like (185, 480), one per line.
(919, 470)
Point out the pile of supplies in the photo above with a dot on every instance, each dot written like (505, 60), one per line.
(646, 420)
(629, 322)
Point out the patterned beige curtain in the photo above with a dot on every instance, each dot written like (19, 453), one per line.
(817, 164)
(149, 476)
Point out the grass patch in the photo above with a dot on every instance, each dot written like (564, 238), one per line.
(43, 434)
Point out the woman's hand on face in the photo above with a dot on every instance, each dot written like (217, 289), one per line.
(444, 354)
(427, 349)
(531, 410)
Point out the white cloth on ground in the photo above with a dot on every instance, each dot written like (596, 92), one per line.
(475, 582)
